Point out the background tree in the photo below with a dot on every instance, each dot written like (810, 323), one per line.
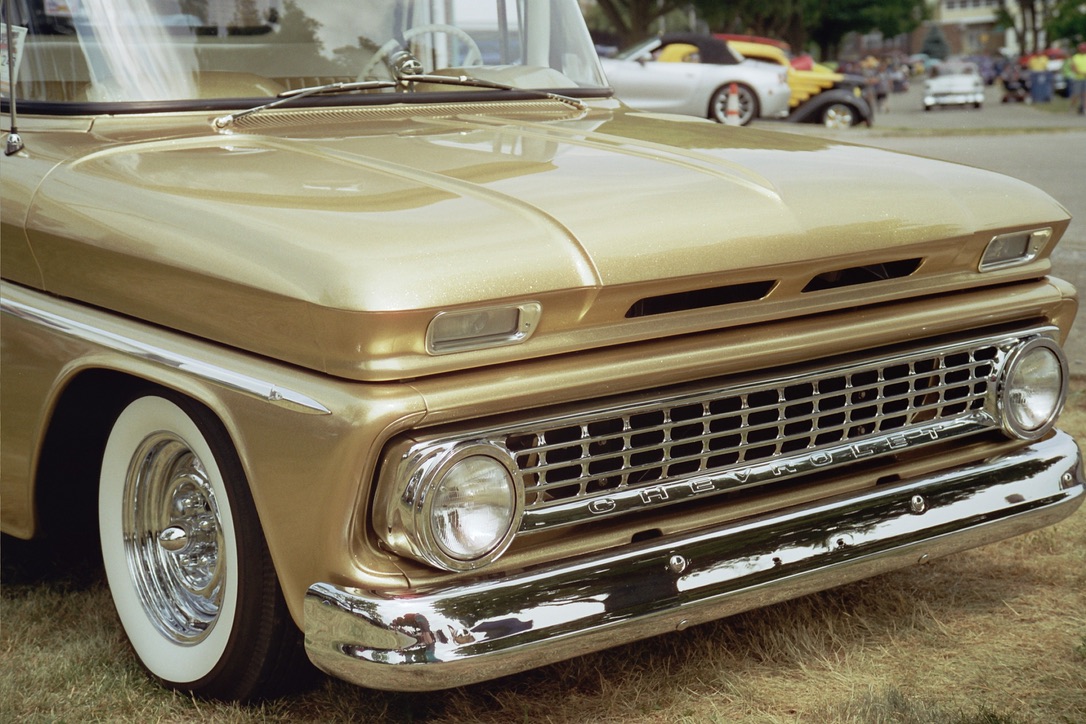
(1030, 21)
(247, 14)
(786, 20)
(822, 22)
(799, 22)
(632, 20)
(935, 44)
(1067, 21)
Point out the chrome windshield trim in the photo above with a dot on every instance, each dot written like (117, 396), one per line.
(261, 389)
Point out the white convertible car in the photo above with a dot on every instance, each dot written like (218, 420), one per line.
(692, 74)
(954, 84)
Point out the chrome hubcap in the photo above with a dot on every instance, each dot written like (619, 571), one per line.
(173, 539)
(838, 117)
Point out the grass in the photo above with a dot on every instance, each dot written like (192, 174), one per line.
(1058, 104)
(993, 635)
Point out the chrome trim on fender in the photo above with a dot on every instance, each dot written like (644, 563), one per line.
(260, 389)
(424, 640)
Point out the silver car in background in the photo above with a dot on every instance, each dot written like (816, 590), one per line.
(693, 74)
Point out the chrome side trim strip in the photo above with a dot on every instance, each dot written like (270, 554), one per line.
(425, 640)
(267, 391)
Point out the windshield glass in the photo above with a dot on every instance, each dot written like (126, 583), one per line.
(642, 49)
(119, 51)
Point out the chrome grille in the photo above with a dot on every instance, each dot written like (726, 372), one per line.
(721, 429)
(667, 446)
(568, 463)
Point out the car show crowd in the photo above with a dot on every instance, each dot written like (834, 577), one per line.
(1031, 78)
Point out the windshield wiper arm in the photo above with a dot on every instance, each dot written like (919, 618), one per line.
(472, 82)
(406, 74)
(407, 70)
(292, 95)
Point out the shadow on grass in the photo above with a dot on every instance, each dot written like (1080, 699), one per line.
(71, 564)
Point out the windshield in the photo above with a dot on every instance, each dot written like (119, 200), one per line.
(123, 51)
(640, 50)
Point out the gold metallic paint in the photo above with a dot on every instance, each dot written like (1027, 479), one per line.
(518, 208)
(362, 232)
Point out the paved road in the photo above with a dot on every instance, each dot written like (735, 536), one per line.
(1041, 147)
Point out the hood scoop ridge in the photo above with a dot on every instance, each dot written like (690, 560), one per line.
(754, 291)
(700, 299)
(866, 274)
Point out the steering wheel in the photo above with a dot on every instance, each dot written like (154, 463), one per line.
(473, 57)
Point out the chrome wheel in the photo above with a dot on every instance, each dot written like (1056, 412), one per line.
(168, 540)
(748, 105)
(185, 557)
(173, 537)
(838, 115)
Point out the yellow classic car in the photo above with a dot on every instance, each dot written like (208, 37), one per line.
(819, 95)
(381, 336)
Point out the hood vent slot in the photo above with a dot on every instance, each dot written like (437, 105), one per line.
(700, 299)
(863, 275)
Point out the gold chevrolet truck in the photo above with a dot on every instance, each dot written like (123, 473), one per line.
(382, 335)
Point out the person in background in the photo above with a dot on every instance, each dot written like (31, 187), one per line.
(1040, 86)
(1075, 70)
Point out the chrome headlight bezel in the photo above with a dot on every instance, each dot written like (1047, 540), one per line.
(1008, 409)
(406, 518)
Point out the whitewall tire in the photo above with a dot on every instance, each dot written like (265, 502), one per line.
(184, 556)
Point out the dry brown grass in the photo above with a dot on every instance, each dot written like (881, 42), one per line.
(996, 634)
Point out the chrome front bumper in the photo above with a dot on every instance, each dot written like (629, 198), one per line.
(417, 641)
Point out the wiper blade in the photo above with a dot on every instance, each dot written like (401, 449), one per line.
(288, 96)
(406, 80)
(407, 71)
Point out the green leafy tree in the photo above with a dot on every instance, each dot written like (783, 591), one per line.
(823, 22)
(1031, 19)
(633, 19)
(935, 43)
(782, 19)
(837, 18)
(1067, 21)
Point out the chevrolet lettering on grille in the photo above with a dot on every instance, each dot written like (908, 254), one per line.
(752, 475)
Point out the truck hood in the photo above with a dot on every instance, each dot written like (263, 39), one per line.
(331, 239)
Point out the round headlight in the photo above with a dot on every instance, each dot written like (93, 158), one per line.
(1034, 389)
(473, 507)
(456, 506)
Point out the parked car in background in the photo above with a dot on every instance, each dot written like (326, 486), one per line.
(922, 63)
(350, 336)
(691, 74)
(817, 95)
(954, 83)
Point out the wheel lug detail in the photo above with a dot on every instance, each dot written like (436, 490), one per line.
(173, 539)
